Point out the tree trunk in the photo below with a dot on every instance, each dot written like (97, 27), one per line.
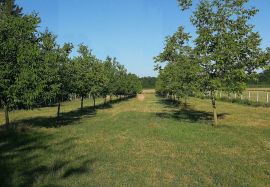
(94, 99)
(105, 100)
(58, 109)
(110, 98)
(185, 102)
(214, 108)
(82, 102)
(6, 115)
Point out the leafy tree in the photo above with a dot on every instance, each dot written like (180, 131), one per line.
(99, 80)
(55, 70)
(19, 53)
(82, 69)
(179, 77)
(120, 83)
(8, 7)
(226, 47)
(134, 85)
(110, 65)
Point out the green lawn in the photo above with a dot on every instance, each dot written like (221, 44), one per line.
(137, 142)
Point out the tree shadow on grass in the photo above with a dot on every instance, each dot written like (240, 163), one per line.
(22, 149)
(66, 118)
(16, 155)
(185, 112)
(22, 158)
(83, 168)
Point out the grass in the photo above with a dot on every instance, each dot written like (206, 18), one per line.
(138, 142)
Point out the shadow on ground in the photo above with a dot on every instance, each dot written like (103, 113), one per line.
(185, 112)
(66, 118)
(28, 155)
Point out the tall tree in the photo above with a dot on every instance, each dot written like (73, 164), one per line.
(19, 57)
(179, 77)
(226, 46)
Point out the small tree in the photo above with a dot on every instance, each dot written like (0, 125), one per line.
(179, 77)
(82, 66)
(55, 69)
(98, 80)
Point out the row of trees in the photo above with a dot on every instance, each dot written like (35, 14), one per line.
(225, 53)
(36, 71)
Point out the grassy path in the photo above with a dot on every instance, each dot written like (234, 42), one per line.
(139, 142)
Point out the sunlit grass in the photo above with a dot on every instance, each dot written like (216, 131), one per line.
(139, 142)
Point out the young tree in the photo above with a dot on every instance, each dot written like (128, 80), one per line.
(179, 77)
(55, 69)
(227, 48)
(98, 80)
(134, 85)
(120, 83)
(82, 67)
(110, 65)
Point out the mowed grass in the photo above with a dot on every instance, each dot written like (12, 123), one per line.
(144, 141)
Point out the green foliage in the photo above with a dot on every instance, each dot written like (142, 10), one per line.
(226, 46)
(148, 82)
(36, 71)
(19, 54)
(226, 50)
(179, 77)
(8, 7)
(263, 80)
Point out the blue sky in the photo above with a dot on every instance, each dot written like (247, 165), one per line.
(131, 30)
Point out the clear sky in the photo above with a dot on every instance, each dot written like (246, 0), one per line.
(131, 30)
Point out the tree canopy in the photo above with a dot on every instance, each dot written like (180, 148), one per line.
(226, 51)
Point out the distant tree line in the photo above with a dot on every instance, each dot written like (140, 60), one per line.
(36, 71)
(148, 82)
(262, 80)
(225, 54)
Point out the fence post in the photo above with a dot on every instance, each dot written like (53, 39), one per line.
(267, 97)
(248, 95)
(257, 96)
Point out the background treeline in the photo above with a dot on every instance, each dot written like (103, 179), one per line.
(148, 82)
(225, 53)
(36, 71)
(262, 80)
